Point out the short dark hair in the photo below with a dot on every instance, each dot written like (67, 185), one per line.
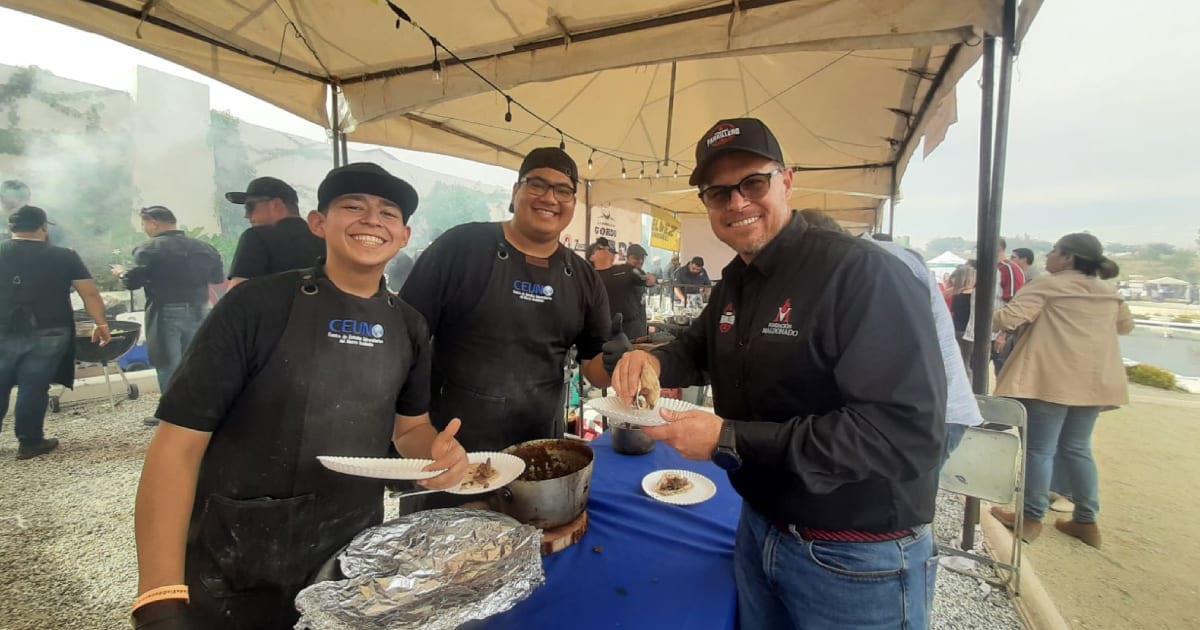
(698, 261)
(1024, 253)
(158, 213)
(1003, 243)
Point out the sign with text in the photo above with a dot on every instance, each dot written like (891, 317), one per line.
(664, 234)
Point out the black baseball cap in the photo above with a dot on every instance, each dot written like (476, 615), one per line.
(748, 135)
(264, 188)
(636, 250)
(28, 219)
(698, 261)
(369, 179)
(549, 157)
(602, 242)
(158, 213)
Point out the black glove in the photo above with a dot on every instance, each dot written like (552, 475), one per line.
(170, 614)
(616, 346)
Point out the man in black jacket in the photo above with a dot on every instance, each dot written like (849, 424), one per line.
(279, 239)
(830, 396)
(175, 270)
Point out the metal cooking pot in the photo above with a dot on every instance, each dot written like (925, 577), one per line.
(553, 490)
(629, 439)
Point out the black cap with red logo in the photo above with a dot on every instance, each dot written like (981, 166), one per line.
(748, 135)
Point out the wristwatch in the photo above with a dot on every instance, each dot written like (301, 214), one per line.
(726, 455)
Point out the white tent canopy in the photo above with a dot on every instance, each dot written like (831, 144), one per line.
(947, 258)
(1169, 281)
(848, 86)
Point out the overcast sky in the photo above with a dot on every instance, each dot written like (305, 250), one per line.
(1103, 137)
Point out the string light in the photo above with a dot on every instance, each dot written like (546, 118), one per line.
(657, 169)
(438, 67)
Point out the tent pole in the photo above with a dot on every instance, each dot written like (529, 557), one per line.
(587, 216)
(892, 205)
(670, 117)
(333, 123)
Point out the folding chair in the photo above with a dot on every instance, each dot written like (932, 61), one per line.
(989, 464)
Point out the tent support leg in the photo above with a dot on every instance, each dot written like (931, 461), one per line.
(333, 122)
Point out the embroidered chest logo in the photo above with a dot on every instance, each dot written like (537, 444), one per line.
(352, 332)
(782, 324)
(531, 292)
(727, 319)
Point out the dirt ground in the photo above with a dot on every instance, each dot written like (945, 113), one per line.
(1145, 576)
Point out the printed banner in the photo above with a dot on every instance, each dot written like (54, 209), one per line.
(664, 234)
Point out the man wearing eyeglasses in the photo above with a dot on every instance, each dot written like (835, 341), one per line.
(505, 302)
(278, 239)
(830, 396)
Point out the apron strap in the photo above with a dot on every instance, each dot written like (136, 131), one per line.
(502, 253)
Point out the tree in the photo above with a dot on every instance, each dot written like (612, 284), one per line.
(955, 244)
(232, 172)
(1155, 251)
(448, 205)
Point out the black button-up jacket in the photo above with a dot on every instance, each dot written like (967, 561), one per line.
(823, 353)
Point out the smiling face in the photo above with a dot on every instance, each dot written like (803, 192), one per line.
(749, 225)
(542, 217)
(362, 231)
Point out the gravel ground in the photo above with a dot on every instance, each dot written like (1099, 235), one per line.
(66, 530)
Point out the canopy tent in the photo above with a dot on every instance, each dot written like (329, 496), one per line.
(948, 258)
(1168, 281)
(627, 85)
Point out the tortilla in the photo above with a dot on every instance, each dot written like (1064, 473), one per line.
(671, 483)
(649, 390)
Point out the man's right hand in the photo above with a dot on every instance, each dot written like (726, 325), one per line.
(627, 377)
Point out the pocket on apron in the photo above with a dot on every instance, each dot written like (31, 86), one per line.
(259, 543)
(484, 416)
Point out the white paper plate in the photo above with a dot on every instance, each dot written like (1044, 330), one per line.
(379, 467)
(618, 411)
(702, 488)
(509, 466)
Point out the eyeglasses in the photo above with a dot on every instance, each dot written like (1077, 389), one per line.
(538, 187)
(752, 187)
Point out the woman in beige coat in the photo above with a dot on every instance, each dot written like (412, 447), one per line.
(1066, 368)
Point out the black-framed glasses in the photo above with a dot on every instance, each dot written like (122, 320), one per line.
(753, 187)
(538, 187)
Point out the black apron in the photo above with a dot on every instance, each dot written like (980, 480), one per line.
(501, 369)
(267, 514)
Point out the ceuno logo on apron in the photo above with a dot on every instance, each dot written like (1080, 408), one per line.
(531, 292)
(353, 332)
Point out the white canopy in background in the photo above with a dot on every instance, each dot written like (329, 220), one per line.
(848, 86)
(947, 258)
(1167, 280)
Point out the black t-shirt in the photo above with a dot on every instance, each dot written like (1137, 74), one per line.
(46, 273)
(626, 286)
(266, 249)
(236, 341)
(960, 311)
(450, 277)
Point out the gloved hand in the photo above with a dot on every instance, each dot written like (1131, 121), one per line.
(616, 346)
(169, 614)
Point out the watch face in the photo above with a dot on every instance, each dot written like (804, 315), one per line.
(726, 460)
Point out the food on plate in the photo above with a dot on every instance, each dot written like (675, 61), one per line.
(647, 397)
(672, 483)
(479, 475)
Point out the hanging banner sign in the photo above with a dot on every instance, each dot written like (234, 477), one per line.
(664, 234)
(621, 227)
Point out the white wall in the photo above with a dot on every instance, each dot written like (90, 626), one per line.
(697, 239)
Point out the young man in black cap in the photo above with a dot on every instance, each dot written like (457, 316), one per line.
(278, 239)
(626, 287)
(234, 512)
(690, 279)
(175, 271)
(830, 396)
(37, 326)
(505, 303)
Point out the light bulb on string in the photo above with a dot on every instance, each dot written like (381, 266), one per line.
(643, 173)
(657, 169)
(622, 168)
(677, 169)
(590, 159)
(437, 65)
(508, 111)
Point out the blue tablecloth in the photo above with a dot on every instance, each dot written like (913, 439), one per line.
(643, 563)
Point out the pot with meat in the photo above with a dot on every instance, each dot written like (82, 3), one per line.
(554, 488)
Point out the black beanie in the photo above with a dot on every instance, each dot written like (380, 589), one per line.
(367, 179)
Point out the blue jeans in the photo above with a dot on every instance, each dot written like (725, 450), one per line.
(784, 581)
(1062, 434)
(29, 362)
(173, 332)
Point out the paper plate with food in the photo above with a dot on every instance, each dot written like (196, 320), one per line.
(488, 472)
(678, 487)
(380, 467)
(647, 405)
